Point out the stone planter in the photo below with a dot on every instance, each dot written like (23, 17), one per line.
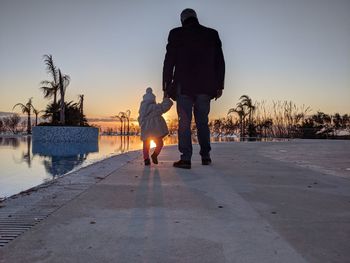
(64, 134)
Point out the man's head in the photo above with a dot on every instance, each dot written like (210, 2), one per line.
(187, 13)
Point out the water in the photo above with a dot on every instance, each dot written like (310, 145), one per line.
(25, 164)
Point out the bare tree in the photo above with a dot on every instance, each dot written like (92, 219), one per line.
(12, 122)
(1, 125)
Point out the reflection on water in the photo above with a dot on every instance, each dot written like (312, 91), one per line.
(26, 156)
(5, 141)
(25, 164)
(62, 158)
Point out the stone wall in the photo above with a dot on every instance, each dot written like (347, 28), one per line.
(64, 134)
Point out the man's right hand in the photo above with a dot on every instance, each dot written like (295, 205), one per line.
(218, 94)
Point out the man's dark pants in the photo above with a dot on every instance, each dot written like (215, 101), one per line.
(200, 104)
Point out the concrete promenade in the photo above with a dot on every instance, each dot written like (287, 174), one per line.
(258, 202)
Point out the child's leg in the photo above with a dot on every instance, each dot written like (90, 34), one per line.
(146, 146)
(159, 145)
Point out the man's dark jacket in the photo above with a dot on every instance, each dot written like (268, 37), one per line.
(194, 60)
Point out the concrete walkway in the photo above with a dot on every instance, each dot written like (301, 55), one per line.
(258, 202)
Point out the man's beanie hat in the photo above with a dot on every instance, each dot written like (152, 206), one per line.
(187, 13)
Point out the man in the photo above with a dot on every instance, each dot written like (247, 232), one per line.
(193, 74)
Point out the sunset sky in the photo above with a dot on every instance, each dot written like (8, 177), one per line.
(274, 50)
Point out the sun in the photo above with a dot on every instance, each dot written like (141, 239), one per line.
(152, 144)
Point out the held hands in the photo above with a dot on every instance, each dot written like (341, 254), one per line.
(218, 94)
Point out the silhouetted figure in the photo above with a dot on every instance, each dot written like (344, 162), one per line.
(152, 124)
(193, 74)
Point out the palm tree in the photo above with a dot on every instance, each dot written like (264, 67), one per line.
(127, 116)
(81, 103)
(26, 109)
(59, 83)
(240, 111)
(36, 112)
(122, 116)
(52, 111)
(50, 88)
(247, 102)
(217, 127)
(50, 67)
(81, 107)
(63, 82)
(267, 124)
(121, 123)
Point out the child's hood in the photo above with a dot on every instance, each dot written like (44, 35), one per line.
(149, 96)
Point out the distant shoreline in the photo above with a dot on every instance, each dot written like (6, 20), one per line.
(336, 137)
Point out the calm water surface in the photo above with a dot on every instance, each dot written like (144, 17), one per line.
(24, 164)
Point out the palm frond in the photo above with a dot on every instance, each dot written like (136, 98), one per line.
(122, 115)
(50, 66)
(29, 104)
(18, 104)
(46, 82)
(66, 81)
(71, 104)
(47, 92)
(232, 110)
(245, 97)
(63, 82)
(23, 107)
(66, 77)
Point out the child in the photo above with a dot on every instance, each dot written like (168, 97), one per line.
(153, 125)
